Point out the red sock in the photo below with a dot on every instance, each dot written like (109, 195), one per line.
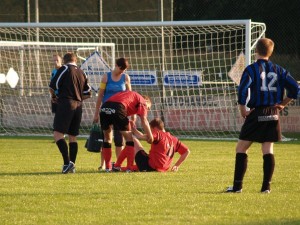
(130, 156)
(121, 158)
(107, 157)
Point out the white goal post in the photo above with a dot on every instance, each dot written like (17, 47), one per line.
(189, 69)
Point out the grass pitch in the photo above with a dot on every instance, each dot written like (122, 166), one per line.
(33, 190)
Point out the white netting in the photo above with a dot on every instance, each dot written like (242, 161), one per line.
(187, 69)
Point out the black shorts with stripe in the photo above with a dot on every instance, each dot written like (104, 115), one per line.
(141, 160)
(262, 125)
(114, 113)
(67, 117)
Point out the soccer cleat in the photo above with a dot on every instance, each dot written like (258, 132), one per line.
(116, 168)
(231, 190)
(266, 191)
(68, 168)
(108, 170)
(64, 167)
(73, 170)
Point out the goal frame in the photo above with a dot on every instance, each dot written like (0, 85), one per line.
(161, 27)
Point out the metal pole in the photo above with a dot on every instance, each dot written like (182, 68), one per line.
(36, 51)
(162, 59)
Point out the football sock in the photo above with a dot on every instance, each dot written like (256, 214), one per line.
(130, 154)
(121, 158)
(268, 167)
(106, 148)
(63, 148)
(241, 161)
(73, 149)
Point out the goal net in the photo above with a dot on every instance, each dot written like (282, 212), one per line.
(189, 69)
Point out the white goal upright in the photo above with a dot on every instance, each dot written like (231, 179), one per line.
(189, 69)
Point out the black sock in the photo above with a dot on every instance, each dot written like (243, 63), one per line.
(241, 161)
(63, 148)
(73, 148)
(269, 165)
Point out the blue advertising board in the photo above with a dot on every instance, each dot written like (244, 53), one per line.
(182, 78)
(142, 77)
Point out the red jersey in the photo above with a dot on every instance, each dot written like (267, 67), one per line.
(134, 103)
(162, 150)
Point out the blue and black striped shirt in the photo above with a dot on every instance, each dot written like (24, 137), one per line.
(267, 82)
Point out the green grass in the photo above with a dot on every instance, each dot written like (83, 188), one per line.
(33, 191)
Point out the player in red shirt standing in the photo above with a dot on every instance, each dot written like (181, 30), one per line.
(114, 113)
(162, 150)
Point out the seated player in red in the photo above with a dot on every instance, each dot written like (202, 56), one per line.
(162, 150)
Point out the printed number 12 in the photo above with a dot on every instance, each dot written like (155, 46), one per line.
(271, 84)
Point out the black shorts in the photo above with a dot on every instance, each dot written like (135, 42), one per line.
(53, 107)
(114, 113)
(68, 115)
(262, 125)
(141, 160)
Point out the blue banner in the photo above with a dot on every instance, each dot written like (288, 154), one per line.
(182, 78)
(142, 78)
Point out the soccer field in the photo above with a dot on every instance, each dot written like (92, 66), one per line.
(33, 190)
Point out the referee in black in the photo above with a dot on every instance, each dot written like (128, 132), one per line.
(271, 89)
(69, 87)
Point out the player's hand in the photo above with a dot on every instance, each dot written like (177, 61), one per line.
(96, 119)
(279, 107)
(245, 113)
(54, 99)
(175, 168)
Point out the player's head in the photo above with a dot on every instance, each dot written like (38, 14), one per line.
(122, 63)
(148, 101)
(57, 60)
(157, 123)
(70, 57)
(265, 47)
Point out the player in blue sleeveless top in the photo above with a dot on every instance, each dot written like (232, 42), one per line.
(112, 83)
(267, 83)
(57, 60)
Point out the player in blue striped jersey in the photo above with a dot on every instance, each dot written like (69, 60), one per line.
(269, 88)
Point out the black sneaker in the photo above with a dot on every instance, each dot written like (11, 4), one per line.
(231, 190)
(64, 167)
(68, 168)
(116, 168)
(267, 191)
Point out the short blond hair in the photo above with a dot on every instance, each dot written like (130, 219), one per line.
(265, 47)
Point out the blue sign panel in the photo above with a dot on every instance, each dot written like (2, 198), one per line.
(142, 78)
(182, 78)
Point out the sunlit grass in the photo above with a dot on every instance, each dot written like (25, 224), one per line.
(33, 190)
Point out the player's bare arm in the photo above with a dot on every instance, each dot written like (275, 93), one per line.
(139, 135)
(181, 159)
(100, 98)
(244, 112)
(53, 96)
(284, 103)
(147, 130)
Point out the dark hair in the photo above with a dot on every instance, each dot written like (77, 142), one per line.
(69, 57)
(157, 123)
(264, 47)
(122, 63)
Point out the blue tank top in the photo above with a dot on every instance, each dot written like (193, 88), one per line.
(113, 87)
